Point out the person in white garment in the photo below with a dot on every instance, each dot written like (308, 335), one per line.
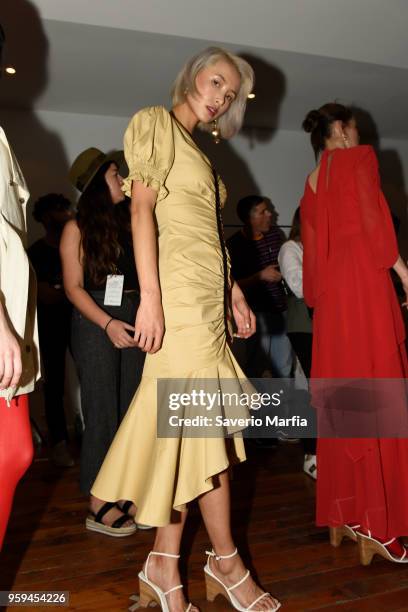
(19, 356)
(299, 322)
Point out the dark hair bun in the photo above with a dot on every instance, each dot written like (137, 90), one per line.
(311, 121)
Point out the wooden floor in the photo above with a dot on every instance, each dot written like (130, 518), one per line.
(48, 548)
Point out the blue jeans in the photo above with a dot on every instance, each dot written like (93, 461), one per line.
(269, 348)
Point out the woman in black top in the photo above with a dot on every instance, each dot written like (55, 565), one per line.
(100, 280)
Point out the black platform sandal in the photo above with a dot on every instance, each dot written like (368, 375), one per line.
(94, 522)
(125, 507)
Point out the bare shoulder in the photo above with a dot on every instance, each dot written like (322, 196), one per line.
(313, 178)
(71, 236)
(71, 229)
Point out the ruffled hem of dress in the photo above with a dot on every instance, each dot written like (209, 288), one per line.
(171, 472)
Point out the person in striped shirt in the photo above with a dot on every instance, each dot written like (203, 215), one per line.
(254, 258)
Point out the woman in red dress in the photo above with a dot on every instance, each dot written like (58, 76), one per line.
(358, 332)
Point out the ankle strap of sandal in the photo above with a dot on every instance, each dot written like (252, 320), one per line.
(220, 557)
(159, 554)
(383, 543)
(176, 588)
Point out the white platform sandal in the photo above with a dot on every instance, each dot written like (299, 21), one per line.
(214, 586)
(150, 593)
(368, 546)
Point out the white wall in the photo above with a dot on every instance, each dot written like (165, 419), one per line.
(278, 167)
(317, 27)
(46, 142)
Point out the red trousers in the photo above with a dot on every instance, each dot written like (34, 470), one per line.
(16, 452)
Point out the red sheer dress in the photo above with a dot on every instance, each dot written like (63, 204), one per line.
(358, 332)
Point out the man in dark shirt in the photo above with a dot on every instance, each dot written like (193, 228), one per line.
(54, 317)
(254, 259)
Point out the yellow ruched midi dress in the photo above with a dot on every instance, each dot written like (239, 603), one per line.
(161, 475)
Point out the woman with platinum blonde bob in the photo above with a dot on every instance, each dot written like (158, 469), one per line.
(183, 271)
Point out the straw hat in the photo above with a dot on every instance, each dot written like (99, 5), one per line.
(88, 163)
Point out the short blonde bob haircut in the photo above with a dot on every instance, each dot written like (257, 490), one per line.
(230, 123)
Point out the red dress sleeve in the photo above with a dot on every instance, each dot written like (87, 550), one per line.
(315, 235)
(376, 220)
(308, 236)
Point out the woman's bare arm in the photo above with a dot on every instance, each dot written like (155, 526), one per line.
(73, 275)
(149, 326)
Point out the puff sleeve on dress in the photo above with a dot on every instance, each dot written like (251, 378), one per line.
(149, 149)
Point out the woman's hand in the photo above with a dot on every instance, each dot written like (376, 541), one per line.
(117, 332)
(405, 288)
(402, 271)
(149, 326)
(10, 358)
(245, 319)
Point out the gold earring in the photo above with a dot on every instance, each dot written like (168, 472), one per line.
(215, 132)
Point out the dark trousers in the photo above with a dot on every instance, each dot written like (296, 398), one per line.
(302, 345)
(53, 329)
(108, 378)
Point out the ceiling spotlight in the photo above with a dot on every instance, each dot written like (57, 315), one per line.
(251, 96)
(11, 70)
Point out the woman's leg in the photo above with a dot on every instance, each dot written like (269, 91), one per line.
(164, 571)
(98, 365)
(215, 509)
(16, 452)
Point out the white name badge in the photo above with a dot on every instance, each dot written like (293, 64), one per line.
(114, 290)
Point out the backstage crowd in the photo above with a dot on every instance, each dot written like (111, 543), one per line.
(138, 283)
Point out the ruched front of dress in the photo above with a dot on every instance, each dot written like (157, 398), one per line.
(162, 474)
